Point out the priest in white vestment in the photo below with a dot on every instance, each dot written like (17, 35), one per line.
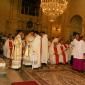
(28, 41)
(17, 52)
(35, 51)
(44, 49)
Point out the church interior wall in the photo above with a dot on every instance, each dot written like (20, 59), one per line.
(11, 19)
(76, 7)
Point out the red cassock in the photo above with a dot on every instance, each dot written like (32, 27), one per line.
(10, 46)
(56, 55)
(58, 50)
(64, 55)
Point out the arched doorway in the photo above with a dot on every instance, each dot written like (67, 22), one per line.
(75, 24)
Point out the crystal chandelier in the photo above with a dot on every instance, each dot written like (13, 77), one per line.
(53, 8)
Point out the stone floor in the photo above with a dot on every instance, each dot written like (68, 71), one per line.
(55, 75)
(47, 75)
(9, 75)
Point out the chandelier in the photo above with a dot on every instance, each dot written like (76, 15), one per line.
(53, 8)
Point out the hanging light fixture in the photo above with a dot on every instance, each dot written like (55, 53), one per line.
(53, 8)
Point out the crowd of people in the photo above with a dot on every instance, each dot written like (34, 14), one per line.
(35, 49)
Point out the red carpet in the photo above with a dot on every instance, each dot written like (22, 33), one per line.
(25, 83)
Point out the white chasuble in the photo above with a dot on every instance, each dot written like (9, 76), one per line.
(26, 57)
(35, 52)
(28, 46)
(17, 53)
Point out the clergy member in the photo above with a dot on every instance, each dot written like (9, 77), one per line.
(54, 59)
(62, 52)
(79, 54)
(72, 47)
(44, 48)
(28, 41)
(9, 48)
(35, 51)
(17, 52)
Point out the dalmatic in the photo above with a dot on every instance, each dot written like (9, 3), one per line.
(26, 57)
(17, 53)
(35, 52)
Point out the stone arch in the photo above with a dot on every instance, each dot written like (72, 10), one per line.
(76, 24)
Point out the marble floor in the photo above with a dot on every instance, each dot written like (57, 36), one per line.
(47, 75)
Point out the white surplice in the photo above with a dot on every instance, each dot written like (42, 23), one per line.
(72, 46)
(79, 49)
(7, 48)
(52, 52)
(62, 53)
(44, 49)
